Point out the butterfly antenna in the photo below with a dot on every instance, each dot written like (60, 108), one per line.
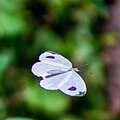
(82, 68)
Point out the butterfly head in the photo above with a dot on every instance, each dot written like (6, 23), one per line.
(76, 69)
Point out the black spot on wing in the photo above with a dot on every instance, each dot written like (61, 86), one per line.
(72, 88)
(51, 57)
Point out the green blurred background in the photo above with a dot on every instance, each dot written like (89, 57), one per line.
(72, 28)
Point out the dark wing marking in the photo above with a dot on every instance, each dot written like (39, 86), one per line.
(54, 74)
(55, 71)
(41, 78)
(81, 93)
(72, 88)
(51, 57)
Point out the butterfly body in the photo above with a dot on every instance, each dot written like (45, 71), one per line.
(57, 73)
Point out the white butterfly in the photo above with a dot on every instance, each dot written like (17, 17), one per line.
(56, 72)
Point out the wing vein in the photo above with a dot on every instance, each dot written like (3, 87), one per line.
(65, 79)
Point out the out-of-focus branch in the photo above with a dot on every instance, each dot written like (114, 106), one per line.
(112, 60)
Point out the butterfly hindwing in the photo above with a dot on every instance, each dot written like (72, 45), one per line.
(54, 81)
(75, 86)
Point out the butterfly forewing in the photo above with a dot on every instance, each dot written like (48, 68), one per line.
(55, 58)
(44, 69)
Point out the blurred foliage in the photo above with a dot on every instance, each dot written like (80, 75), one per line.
(18, 118)
(72, 28)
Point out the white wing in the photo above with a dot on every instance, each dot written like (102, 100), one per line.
(41, 69)
(56, 73)
(52, 82)
(75, 86)
(53, 57)
(52, 69)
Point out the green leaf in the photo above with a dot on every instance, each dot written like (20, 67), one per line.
(50, 102)
(6, 57)
(10, 24)
(84, 50)
(45, 37)
(70, 117)
(93, 115)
